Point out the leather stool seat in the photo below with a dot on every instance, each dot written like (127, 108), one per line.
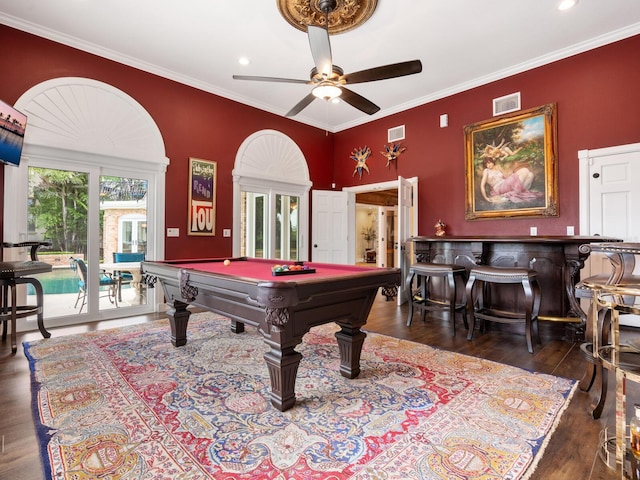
(423, 299)
(481, 277)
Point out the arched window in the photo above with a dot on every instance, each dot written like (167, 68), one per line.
(91, 133)
(271, 198)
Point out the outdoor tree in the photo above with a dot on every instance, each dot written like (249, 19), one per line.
(58, 207)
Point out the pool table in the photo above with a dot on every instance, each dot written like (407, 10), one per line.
(283, 308)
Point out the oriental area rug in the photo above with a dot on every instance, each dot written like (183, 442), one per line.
(126, 404)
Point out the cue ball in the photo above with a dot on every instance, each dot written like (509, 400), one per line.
(227, 262)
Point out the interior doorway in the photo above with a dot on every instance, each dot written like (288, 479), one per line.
(376, 239)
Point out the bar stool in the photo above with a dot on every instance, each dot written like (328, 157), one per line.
(477, 289)
(17, 273)
(423, 299)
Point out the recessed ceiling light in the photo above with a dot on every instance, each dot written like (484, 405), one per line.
(244, 61)
(566, 4)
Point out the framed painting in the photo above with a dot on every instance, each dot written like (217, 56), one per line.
(511, 165)
(202, 197)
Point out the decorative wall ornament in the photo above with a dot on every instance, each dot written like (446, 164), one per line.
(345, 16)
(360, 156)
(392, 152)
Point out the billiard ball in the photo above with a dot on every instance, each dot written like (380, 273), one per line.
(227, 262)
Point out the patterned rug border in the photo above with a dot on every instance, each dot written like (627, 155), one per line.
(45, 432)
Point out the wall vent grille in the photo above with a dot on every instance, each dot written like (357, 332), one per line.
(396, 133)
(506, 104)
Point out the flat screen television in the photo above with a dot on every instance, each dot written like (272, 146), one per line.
(12, 126)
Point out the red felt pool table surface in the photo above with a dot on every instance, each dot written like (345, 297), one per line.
(259, 269)
(283, 308)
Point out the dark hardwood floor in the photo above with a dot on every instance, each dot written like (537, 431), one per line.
(570, 455)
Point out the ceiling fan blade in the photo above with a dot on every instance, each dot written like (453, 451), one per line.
(270, 79)
(382, 73)
(301, 105)
(320, 49)
(358, 101)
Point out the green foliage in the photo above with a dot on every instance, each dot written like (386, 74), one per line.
(58, 207)
(369, 234)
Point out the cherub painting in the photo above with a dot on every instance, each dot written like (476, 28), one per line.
(512, 166)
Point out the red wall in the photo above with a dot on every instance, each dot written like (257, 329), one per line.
(598, 104)
(596, 92)
(192, 123)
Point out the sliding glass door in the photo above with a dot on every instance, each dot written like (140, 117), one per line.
(86, 232)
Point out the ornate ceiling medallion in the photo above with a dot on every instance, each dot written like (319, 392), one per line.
(347, 15)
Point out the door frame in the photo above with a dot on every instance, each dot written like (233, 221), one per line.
(411, 226)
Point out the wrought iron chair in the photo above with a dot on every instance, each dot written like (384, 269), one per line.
(106, 280)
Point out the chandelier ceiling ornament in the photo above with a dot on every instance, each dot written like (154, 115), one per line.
(345, 16)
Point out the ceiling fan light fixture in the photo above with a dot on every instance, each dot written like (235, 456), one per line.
(328, 91)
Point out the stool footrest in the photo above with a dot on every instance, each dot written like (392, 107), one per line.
(500, 316)
(435, 304)
(22, 311)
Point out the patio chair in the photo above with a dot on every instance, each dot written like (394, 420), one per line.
(125, 276)
(106, 280)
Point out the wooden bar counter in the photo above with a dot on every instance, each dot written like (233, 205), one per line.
(557, 260)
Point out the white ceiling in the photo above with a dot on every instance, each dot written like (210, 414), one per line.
(461, 43)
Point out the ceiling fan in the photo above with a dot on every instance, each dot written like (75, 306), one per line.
(329, 80)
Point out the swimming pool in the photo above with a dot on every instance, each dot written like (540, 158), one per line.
(59, 280)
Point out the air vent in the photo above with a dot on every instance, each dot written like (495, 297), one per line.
(506, 104)
(396, 133)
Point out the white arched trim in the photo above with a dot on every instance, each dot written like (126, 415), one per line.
(84, 115)
(270, 161)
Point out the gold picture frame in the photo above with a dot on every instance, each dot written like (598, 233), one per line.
(511, 165)
(202, 197)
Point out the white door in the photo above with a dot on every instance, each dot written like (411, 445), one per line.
(610, 193)
(329, 224)
(609, 199)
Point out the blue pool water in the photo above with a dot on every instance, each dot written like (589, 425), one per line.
(60, 280)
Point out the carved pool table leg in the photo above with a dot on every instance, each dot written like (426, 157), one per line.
(178, 319)
(283, 369)
(350, 340)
